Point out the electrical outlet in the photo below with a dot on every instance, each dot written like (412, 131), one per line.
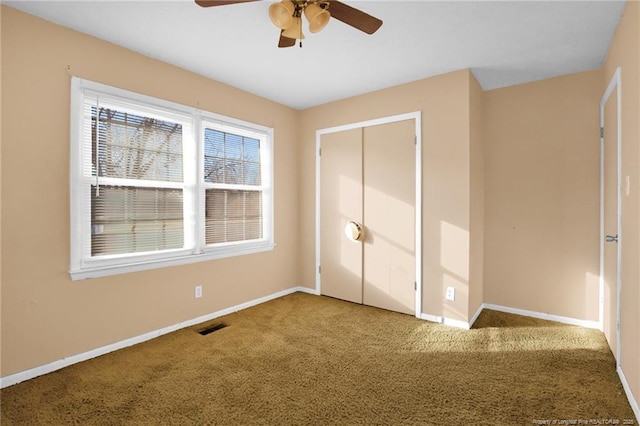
(198, 291)
(450, 294)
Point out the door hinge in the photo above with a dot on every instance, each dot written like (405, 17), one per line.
(415, 140)
(319, 152)
(319, 269)
(415, 286)
(601, 132)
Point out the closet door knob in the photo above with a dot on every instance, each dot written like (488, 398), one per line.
(354, 231)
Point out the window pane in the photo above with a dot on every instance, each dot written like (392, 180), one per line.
(231, 159)
(233, 146)
(233, 172)
(213, 169)
(253, 215)
(132, 146)
(251, 150)
(252, 173)
(232, 215)
(214, 143)
(131, 220)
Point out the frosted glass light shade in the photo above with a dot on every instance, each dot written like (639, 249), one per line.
(318, 17)
(281, 14)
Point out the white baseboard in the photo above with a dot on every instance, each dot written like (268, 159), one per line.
(56, 365)
(432, 318)
(308, 290)
(540, 315)
(446, 321)
(455, 323)
(523, 312)
(627, 389)
(476, 315)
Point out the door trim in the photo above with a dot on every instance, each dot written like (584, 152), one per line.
(417, 117)
(615, 83)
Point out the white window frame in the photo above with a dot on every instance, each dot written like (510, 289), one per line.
(83, 265)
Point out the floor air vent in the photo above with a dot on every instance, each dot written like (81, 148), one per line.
(214, 327)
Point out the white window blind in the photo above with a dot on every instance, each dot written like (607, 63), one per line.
(127, 150)
(148, 191)
(234, 191)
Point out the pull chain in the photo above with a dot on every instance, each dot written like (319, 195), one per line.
(300, 18)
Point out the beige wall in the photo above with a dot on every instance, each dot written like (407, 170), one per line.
(625, 53)
(444, 103)
(542, 153)
(476, 146)
(45, 315)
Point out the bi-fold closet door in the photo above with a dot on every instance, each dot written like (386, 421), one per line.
(367, 183)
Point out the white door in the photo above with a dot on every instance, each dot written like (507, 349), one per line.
(611, 217)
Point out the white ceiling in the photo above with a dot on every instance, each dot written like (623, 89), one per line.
(503, 42)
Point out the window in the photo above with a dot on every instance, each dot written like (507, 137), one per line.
(155, 183)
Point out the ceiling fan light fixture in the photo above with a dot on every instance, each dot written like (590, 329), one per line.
(295, 30)
(317, 16)
(281, 14)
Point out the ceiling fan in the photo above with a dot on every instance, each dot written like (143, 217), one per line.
(287, 15)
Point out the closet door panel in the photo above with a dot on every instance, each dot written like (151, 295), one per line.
(340, 202)
(389, 216)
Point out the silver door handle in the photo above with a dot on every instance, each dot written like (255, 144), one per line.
(612, 238)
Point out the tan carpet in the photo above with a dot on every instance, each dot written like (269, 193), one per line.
(312, 360)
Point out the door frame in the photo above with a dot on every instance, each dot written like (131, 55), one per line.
(417, 117)
(615, 83)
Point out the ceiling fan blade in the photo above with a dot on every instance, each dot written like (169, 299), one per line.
(209, 3)
(286, 41)
(354, 17)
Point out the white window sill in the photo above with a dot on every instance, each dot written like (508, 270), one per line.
(212, 254)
